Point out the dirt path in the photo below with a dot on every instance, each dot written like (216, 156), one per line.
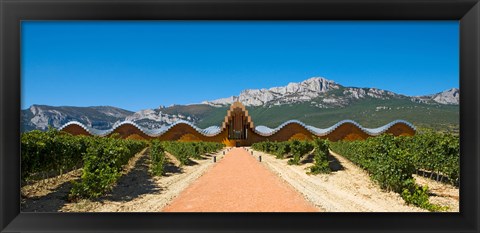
(347, 189)
(239, 183)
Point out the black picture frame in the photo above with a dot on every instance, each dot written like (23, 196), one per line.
(467, 12)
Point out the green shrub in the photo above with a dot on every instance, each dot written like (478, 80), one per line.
(183, 151)
(54, 151)
(295, 148)
(157, 155)
(382, 157)
(299, 149)
(437, 153)
(320, 157)
(391, 161)
(103, 163)
(51, 152)
(418, 196)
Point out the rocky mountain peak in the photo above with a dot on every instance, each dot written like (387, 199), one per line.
(152, 118)
(320, 87)
(450, 96)
(291, 93)
(42, 116)
(34, 109)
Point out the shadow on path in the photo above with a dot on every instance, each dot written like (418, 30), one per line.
(170, 169)
(135, 183)
(191, 162)
(334, 164)
(307, 159)
(51, 202)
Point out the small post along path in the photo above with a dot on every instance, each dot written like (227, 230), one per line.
(239, 183)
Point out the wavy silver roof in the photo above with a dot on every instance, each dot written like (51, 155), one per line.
(266, 131)
(261, 130)
(210, 131)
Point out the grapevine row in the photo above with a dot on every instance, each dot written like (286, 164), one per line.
(157, 155)
(51, 152)
(102, 158)
(391, 161)
(184, 151)
(297, 149)
(320, 157)
(103, 163)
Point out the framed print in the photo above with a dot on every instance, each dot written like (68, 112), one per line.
(239, 116)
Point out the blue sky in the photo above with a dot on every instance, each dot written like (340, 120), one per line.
(137, 65)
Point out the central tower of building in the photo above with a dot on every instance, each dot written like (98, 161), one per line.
(237, 123)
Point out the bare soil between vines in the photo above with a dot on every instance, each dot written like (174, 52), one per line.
(347, 189)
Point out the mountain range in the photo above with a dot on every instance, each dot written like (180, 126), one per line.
(320, 87)
(316, 101)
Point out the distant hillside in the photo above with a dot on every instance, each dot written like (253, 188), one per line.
(316, 101)
(42, 116)
(368, 112)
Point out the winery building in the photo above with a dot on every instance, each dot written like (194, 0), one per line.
(238, 129)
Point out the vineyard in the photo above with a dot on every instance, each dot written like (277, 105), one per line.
(296, 150)
(183, 151)
(391, 161)
(48, 153)
(102, 159)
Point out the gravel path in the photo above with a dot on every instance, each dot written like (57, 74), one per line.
(347, 189)
(239, 183)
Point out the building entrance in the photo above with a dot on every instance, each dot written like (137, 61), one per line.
(237, 125)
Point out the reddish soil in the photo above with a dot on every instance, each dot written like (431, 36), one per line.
(239, 183)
